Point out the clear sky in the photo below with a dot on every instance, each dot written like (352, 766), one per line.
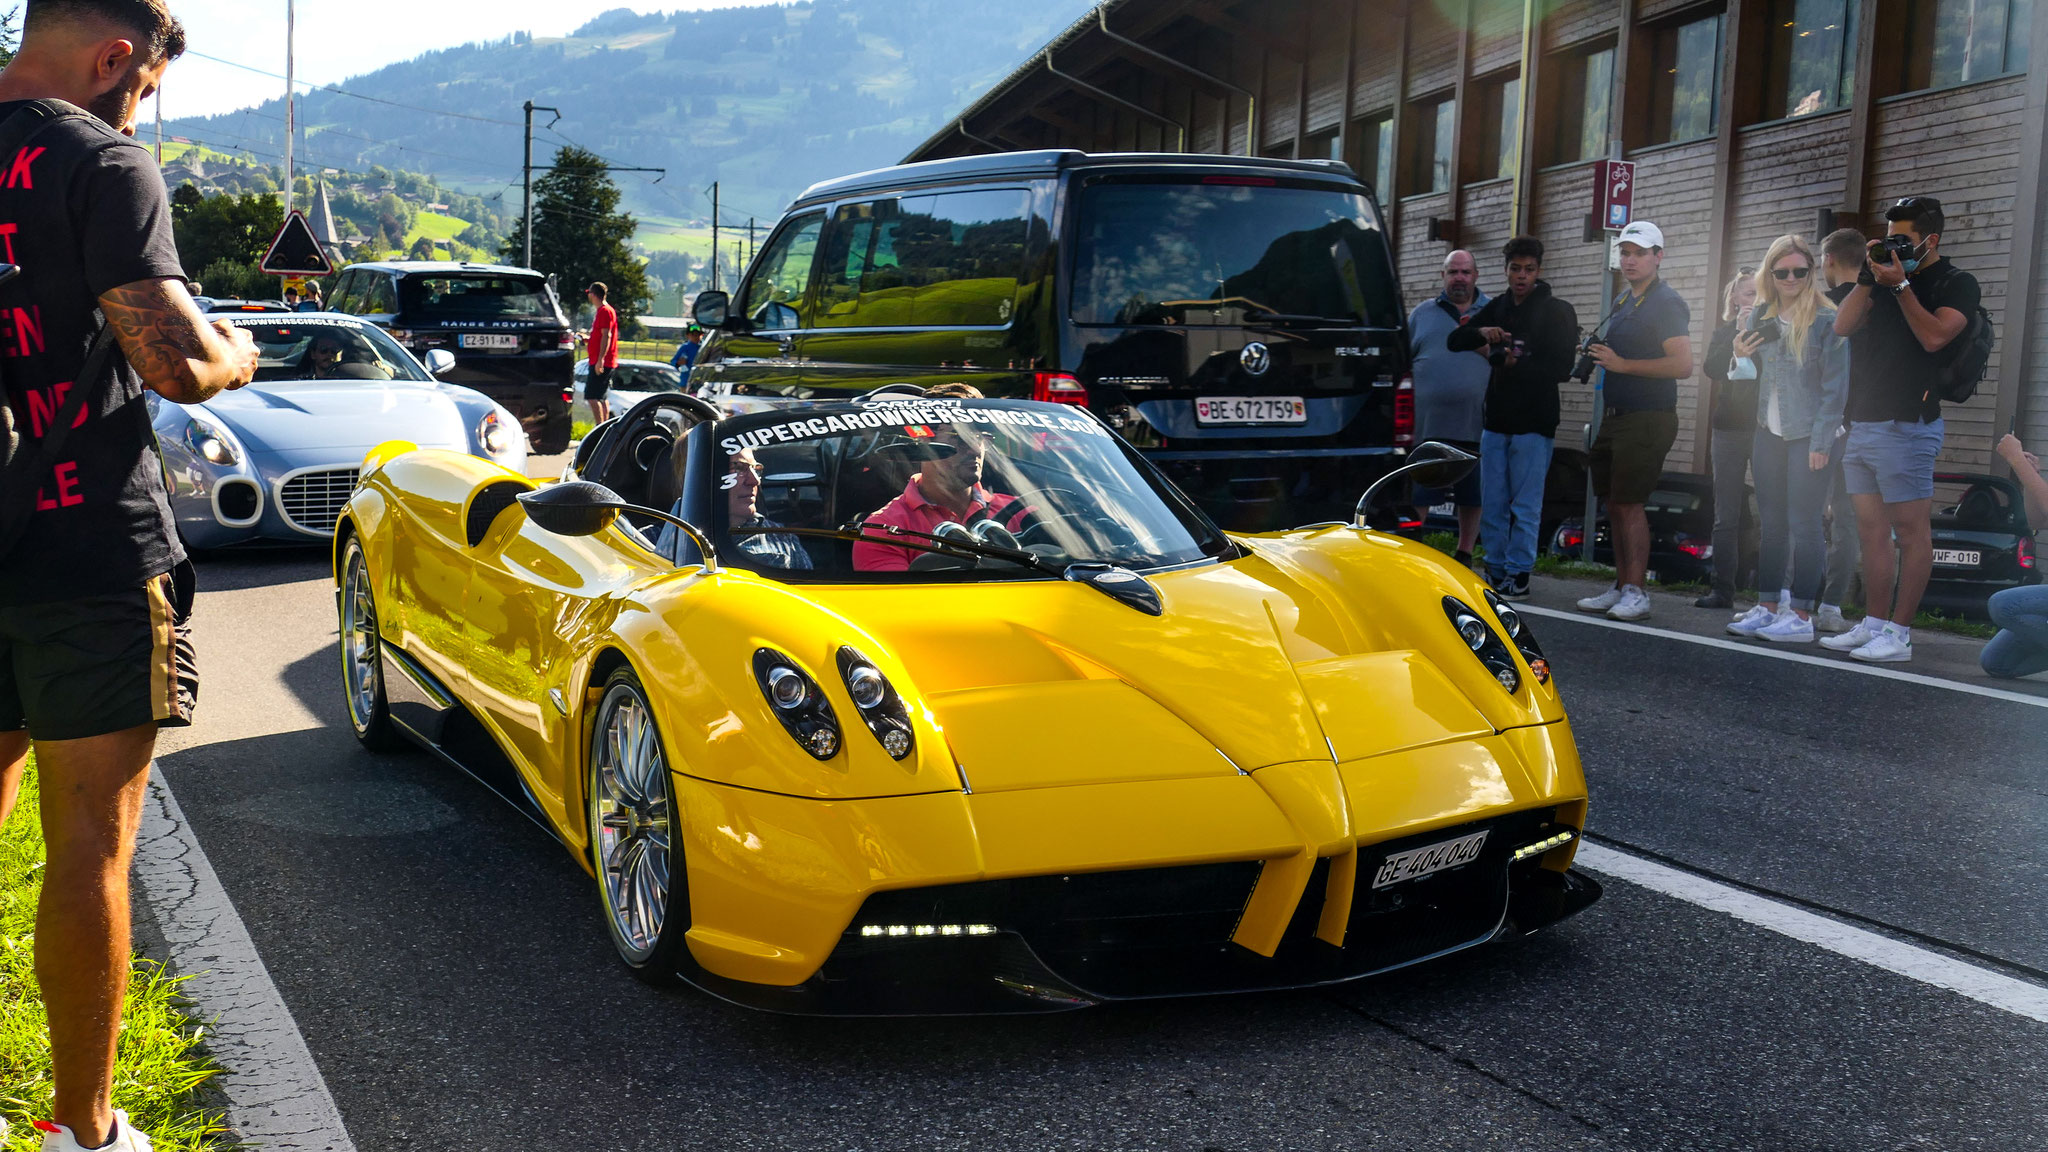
(342, 38)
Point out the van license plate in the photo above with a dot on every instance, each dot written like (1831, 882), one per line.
(1251, 410)
(1958, 557)
(1419, 862)
(490, 340)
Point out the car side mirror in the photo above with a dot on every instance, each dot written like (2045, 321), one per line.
(711, 309)
(1433, 464)
(584, 508)
(439, 361)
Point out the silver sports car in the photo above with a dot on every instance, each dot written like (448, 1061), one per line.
(276, 460)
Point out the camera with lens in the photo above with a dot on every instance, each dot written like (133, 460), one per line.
(1885, 249)
(1583, 370)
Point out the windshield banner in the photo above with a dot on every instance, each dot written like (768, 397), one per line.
(912, 418)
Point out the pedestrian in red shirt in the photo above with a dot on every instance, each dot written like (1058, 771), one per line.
(604, 352)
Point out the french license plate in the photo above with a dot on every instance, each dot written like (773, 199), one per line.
(1419, 862)
(1958, 557)
(1251, 410)
(490, 340)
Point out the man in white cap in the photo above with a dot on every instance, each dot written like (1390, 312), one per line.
(1644, 351)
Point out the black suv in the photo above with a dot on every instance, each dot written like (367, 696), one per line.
(504, 326)
(1236, 319)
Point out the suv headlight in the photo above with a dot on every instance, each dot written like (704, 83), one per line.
(210, 442)
(497, 434)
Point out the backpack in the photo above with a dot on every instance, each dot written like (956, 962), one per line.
(1959, 379)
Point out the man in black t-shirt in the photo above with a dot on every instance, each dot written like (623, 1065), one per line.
(94, 592)
(1901, 318)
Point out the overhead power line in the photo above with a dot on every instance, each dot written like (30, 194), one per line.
(312, 87)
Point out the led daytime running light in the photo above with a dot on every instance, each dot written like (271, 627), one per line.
(1544, 845)
(870, 931)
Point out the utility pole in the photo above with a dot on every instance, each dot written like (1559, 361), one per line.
(159, 126)
(290, 31)
(526, 175)
(714, 235)
(750, 239)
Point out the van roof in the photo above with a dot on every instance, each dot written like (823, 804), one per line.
(1050, 162)
(443, 267)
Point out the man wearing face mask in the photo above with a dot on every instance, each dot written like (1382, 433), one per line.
(94, 589)
(1907, 308)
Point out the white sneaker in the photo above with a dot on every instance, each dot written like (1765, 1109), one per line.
(1787, 629)
(1863, 633)
(1749, 622)
(1885, 648)
(1828, 618)
(1602, 602)
(58, 1138)
(1634, 604)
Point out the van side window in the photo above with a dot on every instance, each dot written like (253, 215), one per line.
(774, 296)
(378, 298)
(947, 260)
(339, 299)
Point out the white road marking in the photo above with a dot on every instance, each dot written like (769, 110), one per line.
(277, 1099)
(2006, 993)
(1764, 650)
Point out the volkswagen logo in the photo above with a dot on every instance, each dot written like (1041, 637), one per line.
(1255, 358)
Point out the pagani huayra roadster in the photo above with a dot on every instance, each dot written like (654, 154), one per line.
(908, 705)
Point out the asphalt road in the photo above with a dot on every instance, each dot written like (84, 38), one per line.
(446, 962)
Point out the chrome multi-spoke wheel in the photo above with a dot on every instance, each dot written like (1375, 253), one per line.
(361, 675)
(633, 829)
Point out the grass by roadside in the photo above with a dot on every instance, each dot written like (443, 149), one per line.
(161, 1079)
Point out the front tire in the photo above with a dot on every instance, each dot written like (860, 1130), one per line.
(362, 673)
(634, 834)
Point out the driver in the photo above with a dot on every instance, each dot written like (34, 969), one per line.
(324, 356)
(948, 489)
(742, 485)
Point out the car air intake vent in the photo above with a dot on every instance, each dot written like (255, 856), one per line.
(238, 500)
(312, 501)
(485, 506)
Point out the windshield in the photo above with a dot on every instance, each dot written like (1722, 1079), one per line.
(471, 297)
(1230, 251)
(1016, 475)
(304, 349)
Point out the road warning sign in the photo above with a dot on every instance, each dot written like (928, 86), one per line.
(296, 252)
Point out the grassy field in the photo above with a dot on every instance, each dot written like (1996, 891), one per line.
(663, 234)
(161, 1078)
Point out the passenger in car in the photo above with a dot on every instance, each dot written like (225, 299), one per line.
(742, 484)
(948, 489)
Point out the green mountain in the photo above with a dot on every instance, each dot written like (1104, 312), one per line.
(764, 100)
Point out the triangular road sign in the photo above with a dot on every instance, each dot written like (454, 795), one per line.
(296, 252)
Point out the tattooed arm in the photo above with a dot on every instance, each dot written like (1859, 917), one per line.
(178, 354)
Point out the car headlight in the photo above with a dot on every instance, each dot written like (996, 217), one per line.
(798, 702)
(1484, 642)
(1524, 640)
(210, 443)
(497, 434)
(880, 707)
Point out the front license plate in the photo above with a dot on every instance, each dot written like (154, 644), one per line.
(1419, 862)
(1251, 410)
(1958, 557)
(490, 340)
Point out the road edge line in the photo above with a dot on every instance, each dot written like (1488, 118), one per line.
(277, 1099)
(1753, 649)
(1924, 965)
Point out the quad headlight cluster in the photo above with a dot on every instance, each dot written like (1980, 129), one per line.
(1484, 642)
(799, 702)
(1523, 639)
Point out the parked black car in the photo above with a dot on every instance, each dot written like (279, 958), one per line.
(1238, 320)
(1681, 515)
(1982, 543)
(504, 326)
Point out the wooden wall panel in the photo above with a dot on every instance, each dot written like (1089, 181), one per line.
(1483, 229)
(1577, 21)
(1277, 111)
(1421, 259)
(1379, 37)
(1655, 9)
(1962, 146)
(1432, 51)
(1674, 190)
(1786, 173)
(1576, 271)
(1496, 35)
(1326, 72)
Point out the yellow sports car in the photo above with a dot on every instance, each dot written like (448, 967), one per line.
(909, 705)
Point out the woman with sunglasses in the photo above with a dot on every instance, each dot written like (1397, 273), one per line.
(1802, 373)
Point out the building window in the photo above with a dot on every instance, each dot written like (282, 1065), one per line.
(1323, 146)
(1372, 153)
(1585, 90)
(1499, 143)
(1430, 142)
(1685, 80)
(1810, 58)
(1957, 41)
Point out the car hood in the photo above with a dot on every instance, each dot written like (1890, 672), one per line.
(347, 415)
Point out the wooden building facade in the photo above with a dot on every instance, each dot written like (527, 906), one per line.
(1478, 119)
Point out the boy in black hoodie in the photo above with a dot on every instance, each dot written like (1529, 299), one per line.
(1532, 337)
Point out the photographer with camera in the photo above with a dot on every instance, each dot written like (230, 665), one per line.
(1530, 336)
(1801, 370)
(1645, 349)
(1734, 434)
(1908, 307)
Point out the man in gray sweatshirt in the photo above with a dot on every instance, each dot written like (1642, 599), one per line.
(1450, 388)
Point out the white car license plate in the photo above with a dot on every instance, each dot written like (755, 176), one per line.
(1251, 410)
(1958, 557)
(1447, 508)
(1419, 862)
(490, 340)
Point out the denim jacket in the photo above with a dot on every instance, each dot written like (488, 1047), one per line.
(1809, 395)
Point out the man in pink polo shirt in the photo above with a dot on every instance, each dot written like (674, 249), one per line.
(948, 489)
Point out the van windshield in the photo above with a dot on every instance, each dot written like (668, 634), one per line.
(1231, 251)
(463, 298)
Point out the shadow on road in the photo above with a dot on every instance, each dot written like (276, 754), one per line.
(231, 570)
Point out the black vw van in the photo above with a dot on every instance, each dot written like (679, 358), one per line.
(1238, 320)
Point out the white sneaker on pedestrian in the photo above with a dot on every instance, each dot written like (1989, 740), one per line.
(1634, 604)
(1602, 602)
(1787, 629)
(1749, 622)
(1885, 648)
(1863, 633)
(1828, 618)
(58, 1138)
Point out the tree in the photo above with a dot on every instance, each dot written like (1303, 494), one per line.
(10, 35)
(580, 234)
(236, 229)
(184, 200)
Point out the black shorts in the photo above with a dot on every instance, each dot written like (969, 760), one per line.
(599, 384)
(72, 669)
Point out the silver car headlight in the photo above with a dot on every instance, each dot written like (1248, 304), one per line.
(497, 434)
(210, 442)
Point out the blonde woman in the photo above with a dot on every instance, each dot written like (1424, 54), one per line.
(1802, 377)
